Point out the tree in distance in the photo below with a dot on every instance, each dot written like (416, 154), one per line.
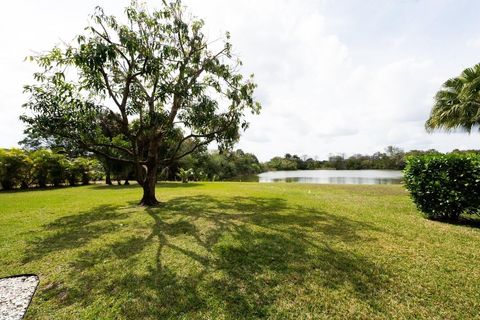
(146, 92)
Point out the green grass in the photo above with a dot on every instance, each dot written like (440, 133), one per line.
(239, 250)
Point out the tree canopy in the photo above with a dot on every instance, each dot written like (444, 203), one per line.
(457, 103)
(147, 91)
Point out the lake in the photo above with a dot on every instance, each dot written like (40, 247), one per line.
(334, 176)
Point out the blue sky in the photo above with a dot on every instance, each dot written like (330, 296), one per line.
(333, 76)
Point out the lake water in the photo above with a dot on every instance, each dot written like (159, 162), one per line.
(334, 176)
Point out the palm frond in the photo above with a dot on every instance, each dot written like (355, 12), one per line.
(457, 103)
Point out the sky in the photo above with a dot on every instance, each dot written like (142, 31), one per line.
(350, 76)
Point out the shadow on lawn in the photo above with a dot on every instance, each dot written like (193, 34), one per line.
(74, 231)
(234, 257)
(471, 221)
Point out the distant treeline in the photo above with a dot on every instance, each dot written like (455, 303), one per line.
(21, 168)
(392, 158)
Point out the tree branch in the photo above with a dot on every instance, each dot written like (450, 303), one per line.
(176, 98)
(106, 155)
(209, 135)
(198, 145)
(114, 44)
(115, 147)
(109, 88)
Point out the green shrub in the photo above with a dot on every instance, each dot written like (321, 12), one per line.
(185, 175)
(20, 168)
(49, 167)
(443, 186)
(15, 168)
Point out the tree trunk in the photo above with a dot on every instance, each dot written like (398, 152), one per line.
(149, 198)
(42, 183)
(108, 179)
(7, 185)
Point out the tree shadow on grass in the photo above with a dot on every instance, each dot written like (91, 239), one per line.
(466, 220)
(202, 256)
(73, 231)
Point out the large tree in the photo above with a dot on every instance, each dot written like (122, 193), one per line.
(457, 103)
(147, 91)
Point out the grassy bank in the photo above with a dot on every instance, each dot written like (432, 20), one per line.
(238, 250)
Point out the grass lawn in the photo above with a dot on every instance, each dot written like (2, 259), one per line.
(238, 250)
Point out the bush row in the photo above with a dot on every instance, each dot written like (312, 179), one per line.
(23, 169)
(444, 186)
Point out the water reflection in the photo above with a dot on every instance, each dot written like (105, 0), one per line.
(334, 176)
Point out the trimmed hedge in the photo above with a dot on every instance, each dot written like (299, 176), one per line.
(443, 186)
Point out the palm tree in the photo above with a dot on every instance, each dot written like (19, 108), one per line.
(457, 104)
